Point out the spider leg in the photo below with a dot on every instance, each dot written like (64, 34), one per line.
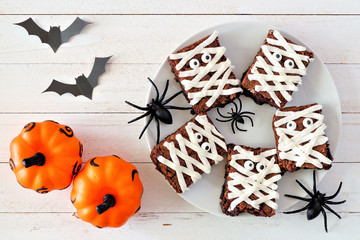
(305, 189)
(252, 123)
(335, 194)
(314, 181)
(171, 98)
(236, 125)
(165, 90)
(298, 210)
(221, 114)
(146, 125)
(177, 108)
(232, 126)
(334, 203)
(158, 130)
(225, 120)
(236, 107)
(247, 113)
(156, 89)
(141, 116)
(325, 219)
(332, 211)
(240, 103)
(299, 198)
(138, 107)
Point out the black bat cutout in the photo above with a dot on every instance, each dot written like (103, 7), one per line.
(54, 37)
(84, 85)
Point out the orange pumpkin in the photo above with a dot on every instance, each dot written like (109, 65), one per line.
(107, 192)
(45, 156)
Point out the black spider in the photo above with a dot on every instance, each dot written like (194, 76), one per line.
(236, 116)
(157, 110)
(317, 202)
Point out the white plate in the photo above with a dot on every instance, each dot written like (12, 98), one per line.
(242, 41)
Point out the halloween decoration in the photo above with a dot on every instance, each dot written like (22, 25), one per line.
(189, 152)
(205, 74)
(236, 116)
(250, 181)
(157, 109)
(54, 37)
(317, 203)
(84, 85)
(107, 192)
(300, 138)
(45, 156)
(276, 71)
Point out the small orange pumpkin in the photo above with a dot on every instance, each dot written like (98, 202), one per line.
(107, 192)
(45, 156)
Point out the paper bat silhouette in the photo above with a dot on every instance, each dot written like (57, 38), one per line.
(84, 85)
(54, 37)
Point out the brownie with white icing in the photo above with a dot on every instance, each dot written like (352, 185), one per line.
(205, 74)
(300, 138)
(251, 176)
(276, 70)
(185, 155)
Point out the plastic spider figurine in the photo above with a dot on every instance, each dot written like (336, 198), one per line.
(236, 116)
(157, 110)
(317, 202)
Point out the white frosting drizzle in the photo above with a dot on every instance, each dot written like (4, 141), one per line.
(253, 183)
(208, 131)
(297, 145)
(213, 66)
(282, 82)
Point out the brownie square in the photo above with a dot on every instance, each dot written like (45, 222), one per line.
(250, 181)
(185, 155)
(276, 71)
(300, 138)
(205, 74)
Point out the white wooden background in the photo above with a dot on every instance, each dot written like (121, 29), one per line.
(139, 35)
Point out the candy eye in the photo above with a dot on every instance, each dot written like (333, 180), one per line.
(307, 122)
(289, 63)
(291, 125)
(194, 63)
(198, 137)
(249, 165)
(260, 167)
(206, 146)
(277, 56)
(206, 58)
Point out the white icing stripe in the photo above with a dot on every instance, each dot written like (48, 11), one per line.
(207, 130)
(280, 82)
(204, 87)
(298, 146)
(253, 183)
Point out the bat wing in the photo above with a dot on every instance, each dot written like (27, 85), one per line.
(62, 88)
(73, 29)
(97, 70)
(33, 29)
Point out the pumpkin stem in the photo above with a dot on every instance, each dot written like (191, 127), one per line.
(38, 159)
(109, 201)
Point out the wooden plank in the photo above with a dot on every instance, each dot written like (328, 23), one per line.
(180, 7)
(120, 82)
(159, 196)
(150, 38)
(178, 226)
(111, 130)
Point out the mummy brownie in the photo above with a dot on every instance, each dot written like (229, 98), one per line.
(300, 138)
(205, 74)
(276, 71)
(185, 155)
(250, 181)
